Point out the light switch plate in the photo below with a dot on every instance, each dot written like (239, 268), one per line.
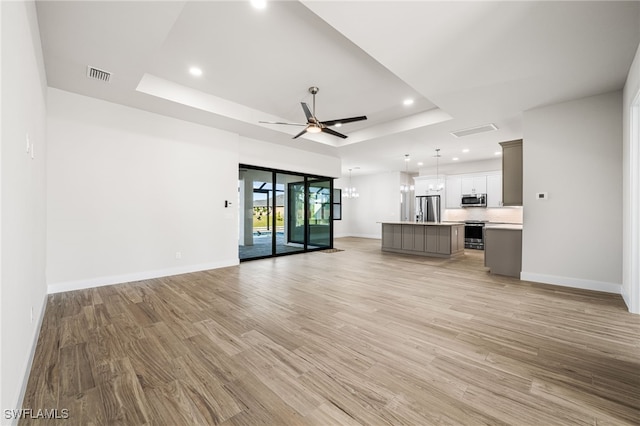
(542, 195)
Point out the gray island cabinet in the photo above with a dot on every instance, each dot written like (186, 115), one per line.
(423, 238)
(503, 249)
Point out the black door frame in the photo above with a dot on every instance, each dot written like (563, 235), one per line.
(306, 178)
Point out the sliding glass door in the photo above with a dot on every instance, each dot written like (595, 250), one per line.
(283, 213)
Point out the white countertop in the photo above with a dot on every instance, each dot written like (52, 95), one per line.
(424, 223)
(508, 226)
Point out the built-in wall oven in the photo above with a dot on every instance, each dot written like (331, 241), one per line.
(474, 234)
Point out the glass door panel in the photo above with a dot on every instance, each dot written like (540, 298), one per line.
(289, 223)
(319, 213)
(256, 200)
(296, 214)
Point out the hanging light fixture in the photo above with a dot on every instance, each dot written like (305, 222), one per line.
(438, 186)
(406, 188)
(350, 191)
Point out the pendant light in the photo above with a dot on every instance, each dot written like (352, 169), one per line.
(406, 188)
(350, 191)
(439, 186)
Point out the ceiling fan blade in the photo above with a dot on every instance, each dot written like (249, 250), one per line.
(280, 122)
(344, 120)
(300, 134)
(307, 111)
(333, 132)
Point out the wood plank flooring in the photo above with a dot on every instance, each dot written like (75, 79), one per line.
(353, 337)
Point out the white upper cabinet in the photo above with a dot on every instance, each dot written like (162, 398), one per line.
(420, 186)
(489, 183)
(494, 190)
(453, 190)
(429, 185)
(455, 186)
(474, 185)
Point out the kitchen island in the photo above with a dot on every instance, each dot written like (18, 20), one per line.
(435, 239)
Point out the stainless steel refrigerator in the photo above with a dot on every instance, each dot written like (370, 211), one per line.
(428, 208)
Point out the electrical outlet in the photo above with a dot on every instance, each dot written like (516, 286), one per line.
(32, 314)
(178, 255)
(28, 143)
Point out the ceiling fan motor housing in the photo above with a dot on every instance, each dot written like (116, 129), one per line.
(316, 126)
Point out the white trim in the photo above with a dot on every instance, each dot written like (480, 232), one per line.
(373, 236)
(29, 361)
(633, 299)
(137, 276)
(627, 298)
(572, 282)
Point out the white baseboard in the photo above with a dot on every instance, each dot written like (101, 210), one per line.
(625, 297)
(572, 282)
(137, 276)
(29, 361)
(627, 300)
(372, 236)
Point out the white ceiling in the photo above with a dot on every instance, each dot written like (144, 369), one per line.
(464, 63)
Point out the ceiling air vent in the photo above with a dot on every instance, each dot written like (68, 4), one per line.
(473, 130)
(98, 74)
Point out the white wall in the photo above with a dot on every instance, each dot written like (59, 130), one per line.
(631, 191)
(342, 228)
(573, 151)
(259, 153)
(128, 189)
(379, 201)
(22, 197)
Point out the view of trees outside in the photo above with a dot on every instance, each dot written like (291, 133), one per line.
(263, 214)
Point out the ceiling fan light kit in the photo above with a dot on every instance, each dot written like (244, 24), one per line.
(314, 125)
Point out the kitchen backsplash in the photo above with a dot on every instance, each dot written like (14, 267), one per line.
(503, 215)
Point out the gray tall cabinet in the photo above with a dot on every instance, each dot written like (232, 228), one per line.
(512, 173)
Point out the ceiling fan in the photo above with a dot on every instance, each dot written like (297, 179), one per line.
(313, 125)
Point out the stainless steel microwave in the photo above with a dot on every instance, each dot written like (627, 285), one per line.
(474, 200)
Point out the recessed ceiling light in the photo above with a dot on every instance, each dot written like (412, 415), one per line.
(338, 124)
(465, 150)
(420, 163)
(195, 71)
(455, 158)
(259, 4)
(407, 102)
(497, 153)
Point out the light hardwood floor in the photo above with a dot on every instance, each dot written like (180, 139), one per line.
(353, 337)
